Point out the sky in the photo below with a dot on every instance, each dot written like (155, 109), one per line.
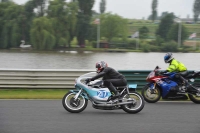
(138, 9)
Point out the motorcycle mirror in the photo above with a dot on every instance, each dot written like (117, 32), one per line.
(157, 67)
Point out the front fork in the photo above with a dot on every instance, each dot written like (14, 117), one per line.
(77, 94)
(152, 88)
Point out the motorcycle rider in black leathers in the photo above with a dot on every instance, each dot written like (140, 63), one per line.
(111, 78)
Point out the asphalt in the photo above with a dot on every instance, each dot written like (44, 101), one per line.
(48, 116)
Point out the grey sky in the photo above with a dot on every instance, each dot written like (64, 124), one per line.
(142, 8)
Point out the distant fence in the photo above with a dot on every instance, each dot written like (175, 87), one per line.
(56, 79)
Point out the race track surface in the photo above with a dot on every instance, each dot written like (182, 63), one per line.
(49, 116)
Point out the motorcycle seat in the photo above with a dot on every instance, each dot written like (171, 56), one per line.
(184, 73)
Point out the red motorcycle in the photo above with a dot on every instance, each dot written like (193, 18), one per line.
(168, 87)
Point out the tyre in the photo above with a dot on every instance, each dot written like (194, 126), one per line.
(151, 98)
(72, 105)
(138, 104)
(195, 98)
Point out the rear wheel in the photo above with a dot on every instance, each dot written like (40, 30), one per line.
(72, 105)
(149, 97)
(136, 106)
(196, 96)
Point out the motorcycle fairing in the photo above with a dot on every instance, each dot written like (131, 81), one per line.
(171, 75)
(166, 87)
(100, 94)
(96, 93)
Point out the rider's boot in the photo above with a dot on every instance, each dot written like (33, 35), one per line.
(117, 95)
(112, 97)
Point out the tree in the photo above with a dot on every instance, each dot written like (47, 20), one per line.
(165, 25)
(3, 6)
(58, 15)
(113, 26)
(84, 17)
(173, 33)
(42, 34)
(29, 15)
(143, 32)
(169, 46)
(149, 17)
(163, 15)
(5, 0)
(102, 6)
(29, 9)
(40, 6)
(196, 10)
(95, 13)
(154, 9)
(11, 17)
(72, 17)
(64, 19)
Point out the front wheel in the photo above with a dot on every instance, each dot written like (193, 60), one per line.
(195, 98)
(72, 105)
(149, 97)
(137, 105)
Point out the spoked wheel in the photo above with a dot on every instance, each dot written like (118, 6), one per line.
(136, 106)
(195, 97)
(72, 105)
(149, 96)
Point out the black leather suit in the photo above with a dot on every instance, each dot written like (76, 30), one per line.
(111, 79)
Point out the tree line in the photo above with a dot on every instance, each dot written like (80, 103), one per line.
(48, 25)
(154, 14)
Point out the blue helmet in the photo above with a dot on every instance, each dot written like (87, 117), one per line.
(168, 57)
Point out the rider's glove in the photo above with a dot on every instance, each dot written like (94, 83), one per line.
(87, 80)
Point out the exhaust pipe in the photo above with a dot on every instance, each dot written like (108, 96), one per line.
(107, 104)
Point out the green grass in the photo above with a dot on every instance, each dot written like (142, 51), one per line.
(38, 94)
(32, 93)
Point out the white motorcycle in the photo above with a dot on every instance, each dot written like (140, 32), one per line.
(76, 100)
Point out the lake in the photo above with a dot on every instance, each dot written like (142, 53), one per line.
(87, 60)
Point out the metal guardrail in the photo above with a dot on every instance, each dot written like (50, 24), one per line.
(39, 79)
(57, 79)
(136, 77)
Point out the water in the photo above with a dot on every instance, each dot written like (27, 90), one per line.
(87, 60)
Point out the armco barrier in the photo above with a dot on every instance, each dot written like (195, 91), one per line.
(136, 77)
(57, 79)
(39, 78)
